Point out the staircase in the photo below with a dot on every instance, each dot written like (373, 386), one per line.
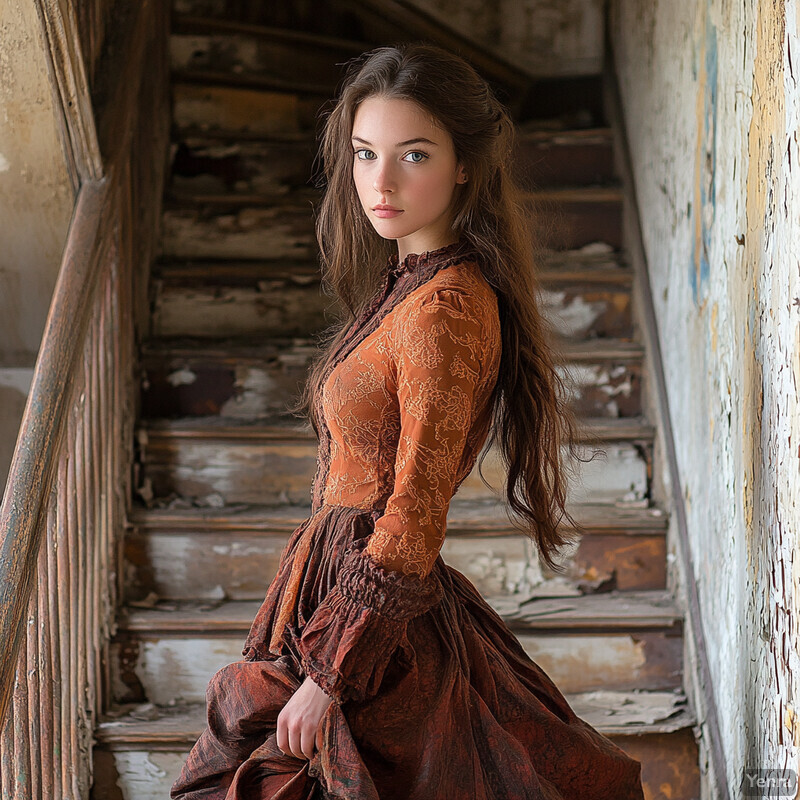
(224, 473)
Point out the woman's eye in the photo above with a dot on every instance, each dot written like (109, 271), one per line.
(362, 150)
(422, 157)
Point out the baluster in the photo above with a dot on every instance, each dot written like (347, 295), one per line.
(7, 755)
(71, 602)
(64, 616)
(52, 674)
(32, 678)
(22, 757)
(81, 534)
(97, 504)
(87, 555)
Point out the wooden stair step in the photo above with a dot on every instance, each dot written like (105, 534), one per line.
(198, 553)
(210, 165)
(566, 218)
(274, 462)
(552, 196)
(251, 377)
(273, 166)
(322, 19)
(189, 24)
(281, 232)
(593, 255)
(605, 349)
(221, 299)
(596, 263)
(465, 518)
(283, 429)
(201, 566)
(588, 306)
(621, 713)
(614, 641)
(538, 132)
(253, 111)
(303, 43)
(236, 53)
(309, 91)
(203, 134)
(240, 226)
(199, 275)
(143, 748)
(605, 612)
(228, 202)
(267, 308)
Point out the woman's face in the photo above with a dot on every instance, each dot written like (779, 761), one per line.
(405, 163)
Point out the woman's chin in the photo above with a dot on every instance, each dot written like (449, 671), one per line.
(388, 231)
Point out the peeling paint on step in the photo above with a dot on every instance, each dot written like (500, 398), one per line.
(638, 708)
(569, 319)
(181, 377)
(147, 775)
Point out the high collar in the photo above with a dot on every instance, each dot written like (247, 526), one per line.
(430, 258)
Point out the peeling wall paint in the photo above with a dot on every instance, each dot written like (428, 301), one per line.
(543, 37)
(705, 165)
(712, 111)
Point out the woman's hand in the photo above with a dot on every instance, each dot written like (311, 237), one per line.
(298, 721)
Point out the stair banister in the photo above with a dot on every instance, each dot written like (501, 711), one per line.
(41, 433)
(68, 490)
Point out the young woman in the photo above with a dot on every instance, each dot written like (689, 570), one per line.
(373, 671)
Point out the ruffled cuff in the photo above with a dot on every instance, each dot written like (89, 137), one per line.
(347, 644)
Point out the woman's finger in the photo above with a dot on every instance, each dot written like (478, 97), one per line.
(282, 736)
(308, 736)
(295, 743)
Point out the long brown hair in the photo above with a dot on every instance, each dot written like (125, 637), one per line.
(530, 416)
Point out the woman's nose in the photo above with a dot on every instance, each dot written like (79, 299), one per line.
(384, 180)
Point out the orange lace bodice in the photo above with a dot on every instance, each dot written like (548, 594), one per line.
(407, 411)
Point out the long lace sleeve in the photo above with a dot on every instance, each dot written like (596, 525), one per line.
(441, 346)
(446, 348)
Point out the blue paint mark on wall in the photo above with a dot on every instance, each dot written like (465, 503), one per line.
(699, 264)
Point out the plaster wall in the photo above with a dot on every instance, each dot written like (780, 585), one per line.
(712, 108)
(37, 193)
(543, 37)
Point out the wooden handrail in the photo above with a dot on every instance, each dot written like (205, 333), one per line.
(42, 429)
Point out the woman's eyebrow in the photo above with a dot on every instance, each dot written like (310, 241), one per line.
(399, 144)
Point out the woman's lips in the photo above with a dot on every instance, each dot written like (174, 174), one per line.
(386, 213)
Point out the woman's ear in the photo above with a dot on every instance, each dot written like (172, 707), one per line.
(461, 175)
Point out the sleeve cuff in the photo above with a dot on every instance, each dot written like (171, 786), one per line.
(347, 644)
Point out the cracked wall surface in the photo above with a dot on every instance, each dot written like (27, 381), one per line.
(711, 106)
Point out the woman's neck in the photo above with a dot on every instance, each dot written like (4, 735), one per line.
(404, 251)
